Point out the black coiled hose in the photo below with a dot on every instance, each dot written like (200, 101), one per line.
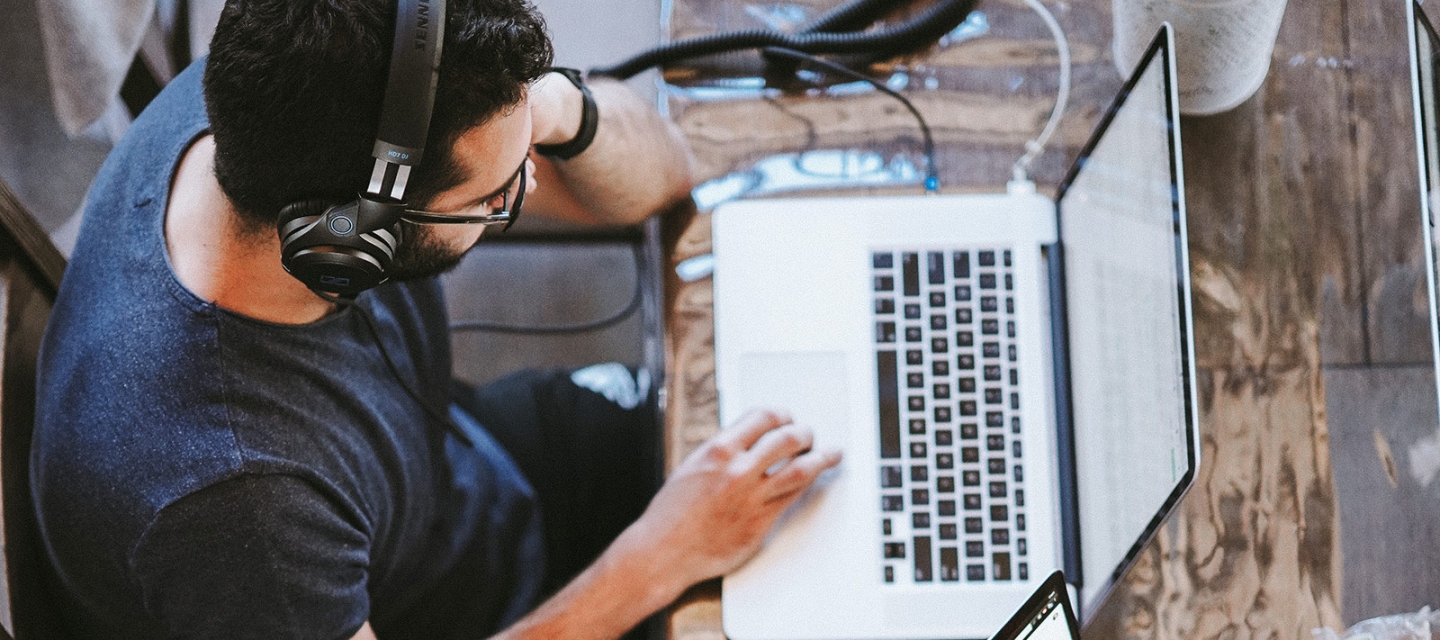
(927, 27)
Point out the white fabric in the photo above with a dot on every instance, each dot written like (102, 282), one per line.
(613, 380)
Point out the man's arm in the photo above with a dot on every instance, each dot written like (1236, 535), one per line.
(637, 164)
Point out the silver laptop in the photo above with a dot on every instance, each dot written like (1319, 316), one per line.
(1011, 379)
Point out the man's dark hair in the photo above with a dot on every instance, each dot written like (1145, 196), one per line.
(293, 89)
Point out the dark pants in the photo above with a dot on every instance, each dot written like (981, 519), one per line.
(593, 463)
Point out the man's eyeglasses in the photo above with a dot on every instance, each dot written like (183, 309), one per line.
(507, 215)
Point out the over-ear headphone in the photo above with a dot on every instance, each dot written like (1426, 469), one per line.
(342, 249)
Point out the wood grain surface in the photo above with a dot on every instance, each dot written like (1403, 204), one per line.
(1303, 216)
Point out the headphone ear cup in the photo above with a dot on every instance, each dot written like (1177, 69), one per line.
(321, 247)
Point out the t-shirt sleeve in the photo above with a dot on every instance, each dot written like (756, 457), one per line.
(261, 556)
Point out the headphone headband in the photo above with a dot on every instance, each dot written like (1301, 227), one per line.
(410, 89)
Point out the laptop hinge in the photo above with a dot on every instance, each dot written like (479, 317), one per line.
(1064, 418)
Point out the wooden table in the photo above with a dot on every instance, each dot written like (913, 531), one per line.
(1304, 230)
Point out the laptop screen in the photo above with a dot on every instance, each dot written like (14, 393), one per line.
(1425, 64)
(1127, 299)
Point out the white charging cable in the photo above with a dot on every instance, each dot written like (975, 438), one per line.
(1020, 170)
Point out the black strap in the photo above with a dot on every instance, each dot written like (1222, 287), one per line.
(589, 121)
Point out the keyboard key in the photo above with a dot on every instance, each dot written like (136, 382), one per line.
(916, 403)
(992, 372)
(970, 477)
(941, 368)
(894, 550)
(1014, 424)
(974, 525)
(938, 323)
(987, 281)
(945, 484)
(986, 258)
(885, 332)
(917, 449)
(946, 507)
(964, 338)
(989, 304)
(920, 521)
(969, 454)
(995, 396)
(965, 362)
(1020, 547)
(939, 345)
(1019, 522)
(923, 566)
(914, 380)
(912, 312)
(991, 350)
(942, 414)
(884, 305)
(997, 489)
(1015, 400)
(1000, 562)
(1014, 377)
(884, 283)
(997, 465)
(962, 264)
(1009, 305)
(889, 573)
(1023, 571)
(917, 427)
(962, 316)
(1019, 473)
(940, 391)
(969, 431)
(910, 273)
(1009, 328)
(993, 443)
(947, 531)
(944, 461)
(972, 501)
(892, 503)
(944, 438)
(888, 399)
(974, 549)
(882, 260)
(913, 334)
(962, 293)
(1012, 353)
(949, 564)
(994, 419)
(1009, 282)
(937, 298)
(1019, 497)
(935, 267)
(999, 536)
(975, 572)
(1007, 257)
(1015, 450)
(968, 408)
(890, 477)
(999, 513)
(967, 385)
(919, 473)
(990, 327)
(914, 356)
(885, 526)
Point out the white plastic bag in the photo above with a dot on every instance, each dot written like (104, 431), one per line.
(1422, 625)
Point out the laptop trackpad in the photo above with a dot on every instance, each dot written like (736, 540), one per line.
(810, 385)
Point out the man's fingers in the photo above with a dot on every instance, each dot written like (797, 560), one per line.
(777, 446)
(797, 475)
(748, 429)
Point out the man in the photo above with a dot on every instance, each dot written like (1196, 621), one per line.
(223, 453)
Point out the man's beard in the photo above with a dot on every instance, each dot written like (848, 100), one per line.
(422, 255)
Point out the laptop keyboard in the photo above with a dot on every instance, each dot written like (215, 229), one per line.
(952, 504)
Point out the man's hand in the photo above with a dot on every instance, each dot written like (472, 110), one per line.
(719, 504)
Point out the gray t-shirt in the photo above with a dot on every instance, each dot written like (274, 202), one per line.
(199, 474)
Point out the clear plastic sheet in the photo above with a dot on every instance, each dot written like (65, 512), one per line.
(1421, 625)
